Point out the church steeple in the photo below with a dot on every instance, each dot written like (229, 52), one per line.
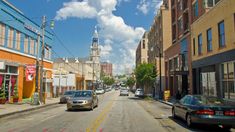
(95, 39)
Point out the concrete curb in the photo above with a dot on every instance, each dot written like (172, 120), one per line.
(27, 110)
(165, 102)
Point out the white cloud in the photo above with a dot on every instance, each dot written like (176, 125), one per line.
(113, 30)
(144, 6)
(76, 9)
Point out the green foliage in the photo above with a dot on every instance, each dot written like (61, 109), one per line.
(15, 92)
(130, 81)
(108, 80)
(145, 74)
(2, 93)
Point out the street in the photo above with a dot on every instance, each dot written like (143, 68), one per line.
(114, 114)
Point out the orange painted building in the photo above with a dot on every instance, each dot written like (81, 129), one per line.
(20, 45)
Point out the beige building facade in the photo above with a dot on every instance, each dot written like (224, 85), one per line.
(159, 40)
(213, 51)
(142, 50)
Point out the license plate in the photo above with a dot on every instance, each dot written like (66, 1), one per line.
(219, 113)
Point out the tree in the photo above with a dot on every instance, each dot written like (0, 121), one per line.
(108, 80)
(130, 81)
(145, 75)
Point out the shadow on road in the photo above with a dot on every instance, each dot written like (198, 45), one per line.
(135, 98)
(78, 110)
(198, 127)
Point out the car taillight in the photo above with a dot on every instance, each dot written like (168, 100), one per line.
(205, 112)
(229, 113)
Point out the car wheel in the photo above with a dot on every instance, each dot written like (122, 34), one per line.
(173, 113)
(189, 120)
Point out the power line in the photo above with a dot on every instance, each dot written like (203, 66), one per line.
(60, 42)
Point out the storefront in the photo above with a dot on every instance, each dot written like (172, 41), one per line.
(214, 75)
(9, 82)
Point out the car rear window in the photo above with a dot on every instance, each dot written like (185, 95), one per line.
(210, 100)
(82, 94)
(68, 93)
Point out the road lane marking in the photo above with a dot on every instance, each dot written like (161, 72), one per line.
(101, 117)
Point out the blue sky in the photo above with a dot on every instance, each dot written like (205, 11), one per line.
(121, 24)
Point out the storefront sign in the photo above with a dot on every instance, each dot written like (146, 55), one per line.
(2, 65)
(30, 72)
(31, 28)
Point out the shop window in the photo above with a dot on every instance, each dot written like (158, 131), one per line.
(18, 35)
(221, 34)
(228, 79)
(2, 34)
(209, 40)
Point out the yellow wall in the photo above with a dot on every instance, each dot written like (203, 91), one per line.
(224, 10)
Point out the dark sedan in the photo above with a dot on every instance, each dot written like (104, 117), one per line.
(205, 110)
(66, 96)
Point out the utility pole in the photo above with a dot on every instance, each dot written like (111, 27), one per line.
(42, 56)
(93, 73)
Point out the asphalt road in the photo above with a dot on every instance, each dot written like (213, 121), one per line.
(114, 114)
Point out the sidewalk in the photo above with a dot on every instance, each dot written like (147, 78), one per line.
(10, 109)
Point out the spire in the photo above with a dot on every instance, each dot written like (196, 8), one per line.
(95, 36)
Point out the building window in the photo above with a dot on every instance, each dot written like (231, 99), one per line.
(18, 40)
(143, 44)
(195, 9)
(210, 3)
(221, 34)
(180, 25)
(234, 21)
(194, 46)
(26, 44)
(176, 63)
(36, 48)
(10, 38)
(209, 40)
(31, 46)
(2, 34)
(199, 44)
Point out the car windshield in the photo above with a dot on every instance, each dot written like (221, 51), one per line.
(68, 92)
(99, 89)
(83, 94)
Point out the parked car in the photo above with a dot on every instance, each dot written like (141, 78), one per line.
(139, 92)
(86, 99)
(66, 96)
(99, 91)
(124, 92)
(205, 110)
